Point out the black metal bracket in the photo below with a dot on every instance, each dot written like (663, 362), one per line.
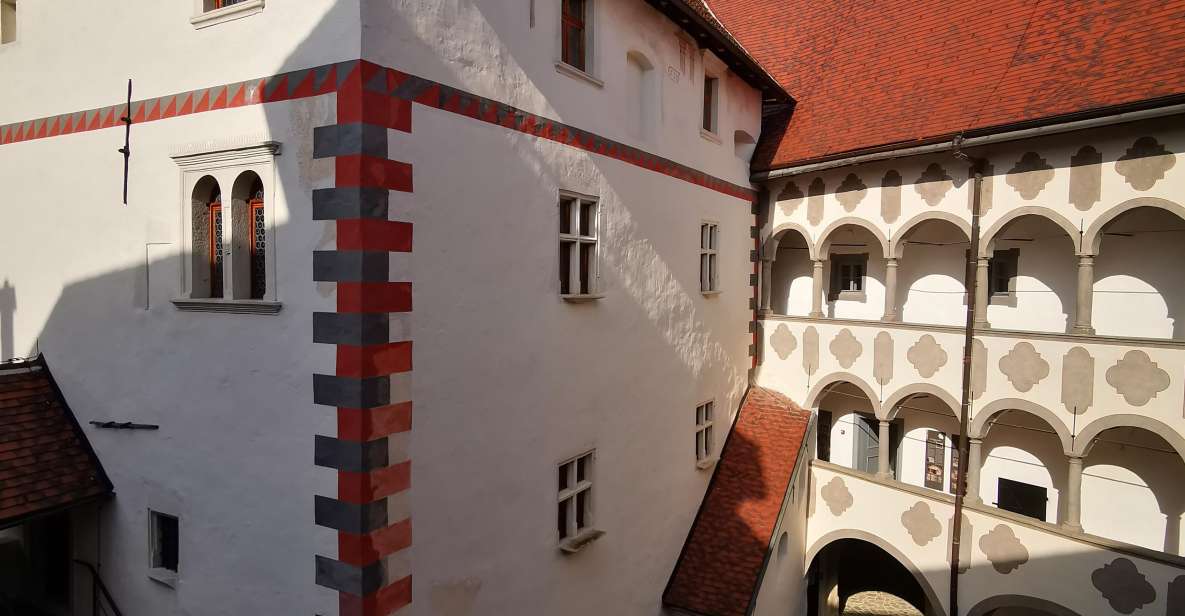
(123, 425)
(126, 150)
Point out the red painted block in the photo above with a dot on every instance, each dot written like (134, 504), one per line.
(362, 550)
(171, 110)
(279, 92)
(304, 88)
(380, 603)
(373, 360)
(154, 113)
(203, 103)
(374, 297)
(371, 234)
(361, 488)
(240, 95)
(399, 114)
(219, 99)
(373, 172)
(369, 424)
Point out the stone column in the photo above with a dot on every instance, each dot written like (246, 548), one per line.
(767, 276)
(1082, 319)
(882, 458)
(1073, 521)
(981, 292)
(817, 289)
(891, 291)
(974, 461)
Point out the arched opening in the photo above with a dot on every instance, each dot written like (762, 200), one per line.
(1137, 289)
(848, 429)
(930, 273)
(641, 96)
(790, 280)
(249, 252)
(1132, 489)
(928, 453)
(1023, 466)
(854, 277)
(1032, 275)
(1018, 605)
(207, 250)
(857, 576)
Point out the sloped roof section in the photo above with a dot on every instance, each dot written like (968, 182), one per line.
(905, 72)
(46, 463)
(722, 560)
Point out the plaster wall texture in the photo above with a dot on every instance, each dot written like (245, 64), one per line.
(484, 48)
(783, 587)
(93, 280)
(511, 380)
(1004, 555)
(75, 56)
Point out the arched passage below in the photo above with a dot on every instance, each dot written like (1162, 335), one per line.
(840, 539)
(1029, 605)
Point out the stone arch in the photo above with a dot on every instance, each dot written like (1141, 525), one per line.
(985, 607)
(899, 396)
(769, 250)
(897, 240)
(980, 424)
(820, 388)
(1086, 436)
(852, 533)
(825, 237)
(988, 238)
(1094, 234)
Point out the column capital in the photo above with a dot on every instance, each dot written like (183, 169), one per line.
(891, 261)
(1084, 259)
(975, 440)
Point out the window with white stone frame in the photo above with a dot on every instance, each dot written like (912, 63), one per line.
(574, 506)
(709, 241)
(211, 12)
(847, 276)
(704, 441)
(579, 267)
(164, 538)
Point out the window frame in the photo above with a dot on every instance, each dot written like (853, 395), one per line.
(710, 106)
(9, 32)
(574, 240)
(158, 569)
(709, 256)
(254, 205)
(1008, 258)
(216, 252)
(208, 13)
(587, 72)
(574, 536)
(705, 450)
(838, 261)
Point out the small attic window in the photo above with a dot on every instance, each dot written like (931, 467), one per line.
(7, 21)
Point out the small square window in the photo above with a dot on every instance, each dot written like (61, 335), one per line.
(711, 94)
(704, 421)
(709, 239)
(847, 276)
(1002, 269)
(164, 534)
(574, 507)
(578, 267)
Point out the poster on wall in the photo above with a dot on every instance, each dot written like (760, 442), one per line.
(935, 459)
(954, 463)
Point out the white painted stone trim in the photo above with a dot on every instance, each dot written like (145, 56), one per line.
(564, 68)
(204, 19)
(227, 306)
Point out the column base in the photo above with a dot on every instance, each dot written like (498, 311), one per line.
(815, 315)
(884, 476)
(981, 325)
(1083, 330)
(1072, 528)
(891, 318)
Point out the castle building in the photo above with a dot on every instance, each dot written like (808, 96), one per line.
(368, 307)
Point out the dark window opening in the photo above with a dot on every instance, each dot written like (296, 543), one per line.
(1023, 498)
(216, 247)
(1002, 268)
(573, 33)
(166, 541)
(847, 274)
(258, 239)
(823, 442)
(710, 87)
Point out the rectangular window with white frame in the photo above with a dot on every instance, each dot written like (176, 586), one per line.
(711, 104)
(709, 247)
(704, 421)
(578, 259)
(164, 539)
(574, 33)
(574, 507)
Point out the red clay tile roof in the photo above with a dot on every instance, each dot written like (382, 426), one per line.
(868, 74)
(725, 551)
(46, 462)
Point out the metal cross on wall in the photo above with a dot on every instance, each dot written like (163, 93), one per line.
(126, 150)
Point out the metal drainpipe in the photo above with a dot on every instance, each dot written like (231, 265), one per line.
(970, 276)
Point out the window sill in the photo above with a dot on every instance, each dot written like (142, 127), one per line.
(228, 13)
(229, 306)
(168, 577)
(850, 296)
(706, 463)
(710, 136)
(712, 293)
(564, 68)
(1003, 299)
(574, 544)
(579, 298)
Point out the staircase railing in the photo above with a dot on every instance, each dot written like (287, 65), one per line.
(102, 603)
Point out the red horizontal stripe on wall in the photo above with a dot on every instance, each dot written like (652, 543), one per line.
(369, 424)
(380, 603)
(372, 172)
(361, 488)
(371, 234)
(361, 550)
(373, 360)
(374, 297)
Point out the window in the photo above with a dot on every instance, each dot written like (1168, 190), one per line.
(711, 92)
(213, 5)
(574, 33)
(823, 437)
(574, 505)
(165, 538)
(212, 12)
(704, 414)
(709, 238)
(1023, 498)
(1002, 272)
(847, 276)
(7, 21)
(935, 462)
(216, 250)
(578, 246)
(249, 227)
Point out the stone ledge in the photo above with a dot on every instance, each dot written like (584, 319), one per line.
(228, 13)
(227, 306)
